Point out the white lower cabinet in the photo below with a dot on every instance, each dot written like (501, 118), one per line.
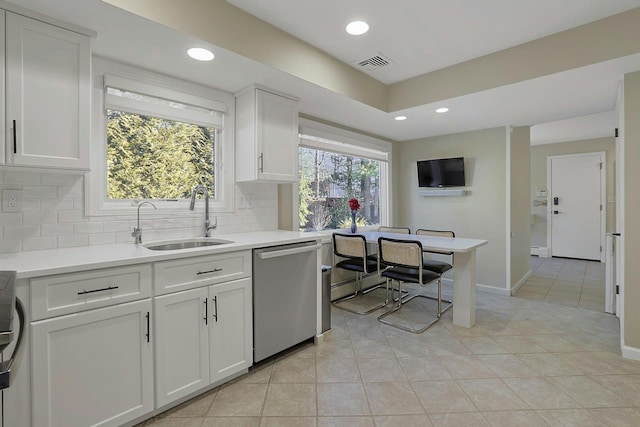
(93, 368)
(203, 335)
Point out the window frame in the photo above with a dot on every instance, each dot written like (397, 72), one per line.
(96, 201)
(333, 139)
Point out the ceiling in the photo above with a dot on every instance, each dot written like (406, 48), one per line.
(418, 36)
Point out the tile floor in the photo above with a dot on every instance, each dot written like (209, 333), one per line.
(525, 363)
(571, 282)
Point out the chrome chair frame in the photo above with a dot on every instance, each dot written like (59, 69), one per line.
(405, 265)
(438, 267)
(360, 271)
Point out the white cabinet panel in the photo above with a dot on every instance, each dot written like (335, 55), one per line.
(266, 137)
(47, 95)
(93, 368)
(231, 340)
(182, 344)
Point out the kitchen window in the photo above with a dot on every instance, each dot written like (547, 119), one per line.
(156, 139)
(335, 167)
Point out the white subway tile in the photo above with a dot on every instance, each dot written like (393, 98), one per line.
(31, 204)
(87, 227)
(56, 204)
(56, 229)
(19, 232)
(72, 241)
(58, 179)
(40, 191)
(13, 218)
(42, 217)
(78, 204)
(21, 178)
(102, 239)
(8, 246)
(39, 243)
(70, 216)
(113, 226)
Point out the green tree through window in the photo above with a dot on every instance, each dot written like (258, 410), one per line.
(155, 158)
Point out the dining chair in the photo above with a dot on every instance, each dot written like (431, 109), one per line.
(401, 260)
(439, 267)
(353, 248)
(399, 230)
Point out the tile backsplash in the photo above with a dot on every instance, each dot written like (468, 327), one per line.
(52, 215)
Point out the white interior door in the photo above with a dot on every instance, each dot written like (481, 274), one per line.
(576, 205)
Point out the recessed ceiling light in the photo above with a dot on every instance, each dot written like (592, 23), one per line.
(200, 54)
(401, 118)
(442, 110)
(357, 28)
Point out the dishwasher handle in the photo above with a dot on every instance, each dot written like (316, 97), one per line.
(285, 252)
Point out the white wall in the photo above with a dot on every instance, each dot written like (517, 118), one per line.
(519, 176)
(481, 214)
(53, 216)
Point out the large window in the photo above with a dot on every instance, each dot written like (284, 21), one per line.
(333, 172)
(156, 138)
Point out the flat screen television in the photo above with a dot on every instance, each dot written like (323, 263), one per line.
(440, 173)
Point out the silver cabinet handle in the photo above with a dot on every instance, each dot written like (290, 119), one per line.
(261, 160)
(110, 288)
(215, 306)
(215, 270)
(206, 311)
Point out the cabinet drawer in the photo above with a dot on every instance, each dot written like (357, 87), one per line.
(188, 273)
(70, 293)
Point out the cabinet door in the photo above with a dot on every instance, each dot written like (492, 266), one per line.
(93, 368)
(48, 95)
(230, 328)
(277, 137)
(182, 344)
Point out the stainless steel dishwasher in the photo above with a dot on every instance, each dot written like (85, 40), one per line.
(285, 296)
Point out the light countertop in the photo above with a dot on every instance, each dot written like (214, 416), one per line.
(56, 261)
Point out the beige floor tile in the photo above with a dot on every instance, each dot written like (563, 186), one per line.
(442, 397)
(231, 422)
(424, 369)
(474, 419)
(196, 407)
(535, 296)
(288, 422)
(625, 386)
(393, 399)
(345, 422)
(296, 370)
(587, 392)
(174, 422)
(482, 345)
(491, 395)
(403, 347)
(507, 365)
(342, 399)
(446, 346)
(239, 400)
(570, 418)
(540, 394)
(557, 343)
(618, 417)
(375, 349)
(290, 400)
(335, 350)
(259, 374)
(515, 418)
(547, 364)
(594, 363)
(518, 344)
(380, 370)
(466, 367)
(403, 421)
(337, 370)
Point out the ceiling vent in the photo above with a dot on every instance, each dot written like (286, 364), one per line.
(374, 63)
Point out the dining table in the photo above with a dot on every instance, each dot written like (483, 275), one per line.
(464, 268)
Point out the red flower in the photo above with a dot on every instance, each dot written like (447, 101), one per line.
(354, 205)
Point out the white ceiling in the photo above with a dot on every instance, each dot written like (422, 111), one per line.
(413, 30)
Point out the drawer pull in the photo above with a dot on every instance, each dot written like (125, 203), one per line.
(206, 311)
(110, 288)
(215, 306)
(215, 270)
(148, 334)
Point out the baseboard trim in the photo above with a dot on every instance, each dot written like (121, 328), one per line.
(630, 352)
(521, 282)
(541, 251)
(484, 288)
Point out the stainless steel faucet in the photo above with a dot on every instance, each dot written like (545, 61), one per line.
(207, 224)
(137, 231)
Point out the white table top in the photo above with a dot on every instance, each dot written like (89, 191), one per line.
(448, 244)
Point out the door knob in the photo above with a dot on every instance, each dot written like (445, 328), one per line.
(556, 212)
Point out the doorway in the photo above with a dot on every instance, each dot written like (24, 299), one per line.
(576, 206)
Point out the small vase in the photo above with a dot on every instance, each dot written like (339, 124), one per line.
(354, 227)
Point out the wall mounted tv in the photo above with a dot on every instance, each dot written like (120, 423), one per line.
(440, 173)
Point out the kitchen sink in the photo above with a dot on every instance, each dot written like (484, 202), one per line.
(185, 244)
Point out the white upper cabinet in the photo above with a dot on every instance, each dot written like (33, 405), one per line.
(48, 76)
(266, 137)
